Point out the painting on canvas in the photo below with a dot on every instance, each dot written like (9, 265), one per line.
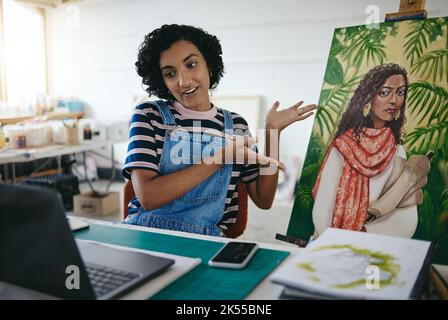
(377, 159)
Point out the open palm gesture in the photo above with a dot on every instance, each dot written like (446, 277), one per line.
(281, 119)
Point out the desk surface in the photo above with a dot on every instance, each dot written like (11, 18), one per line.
(30, 154)
(264, 291)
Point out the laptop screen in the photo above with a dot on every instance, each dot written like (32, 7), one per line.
(36, 244)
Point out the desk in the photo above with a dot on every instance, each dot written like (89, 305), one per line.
(14, 156)
(265, 290)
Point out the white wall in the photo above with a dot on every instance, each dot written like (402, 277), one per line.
(276, 49)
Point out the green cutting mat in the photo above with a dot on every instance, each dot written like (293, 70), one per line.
(203, 282)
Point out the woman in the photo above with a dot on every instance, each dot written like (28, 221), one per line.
(359, 164)
(183, 157)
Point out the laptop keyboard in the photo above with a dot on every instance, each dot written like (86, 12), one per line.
(105, 280)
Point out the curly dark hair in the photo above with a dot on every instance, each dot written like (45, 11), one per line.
(353, 117)
(161, 39)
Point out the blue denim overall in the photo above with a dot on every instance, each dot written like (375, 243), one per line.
(201, 209)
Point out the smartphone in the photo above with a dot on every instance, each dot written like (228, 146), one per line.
(234, 255)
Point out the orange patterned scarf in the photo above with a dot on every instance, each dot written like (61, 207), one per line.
(368, 158)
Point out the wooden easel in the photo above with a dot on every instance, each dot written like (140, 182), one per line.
(409, 10)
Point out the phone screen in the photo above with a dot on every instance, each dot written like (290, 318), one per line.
(234, 252)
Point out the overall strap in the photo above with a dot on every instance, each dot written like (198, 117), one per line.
(164, 110)
(228, 121)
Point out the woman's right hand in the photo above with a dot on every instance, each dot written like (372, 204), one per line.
(238, 150)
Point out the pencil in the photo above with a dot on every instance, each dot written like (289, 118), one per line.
(298, 242)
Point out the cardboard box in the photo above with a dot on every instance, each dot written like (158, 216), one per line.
(103, 205)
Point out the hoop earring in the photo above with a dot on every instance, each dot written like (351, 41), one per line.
(398, 115)
(366, 110)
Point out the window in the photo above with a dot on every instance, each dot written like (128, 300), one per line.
(24, 58)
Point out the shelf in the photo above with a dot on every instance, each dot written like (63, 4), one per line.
(4, 120)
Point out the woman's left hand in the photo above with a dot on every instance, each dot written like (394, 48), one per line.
(281, 119)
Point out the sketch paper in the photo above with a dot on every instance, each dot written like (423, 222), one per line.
(343, 264)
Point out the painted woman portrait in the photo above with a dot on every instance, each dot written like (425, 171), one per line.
(364, 182)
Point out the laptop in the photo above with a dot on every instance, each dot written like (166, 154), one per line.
(38, 251)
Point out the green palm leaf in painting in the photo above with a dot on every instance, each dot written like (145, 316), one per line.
(428, 100)
(365, 46)
(304, 200)
(444, 196)
(423, 139)
(332, 103)
(433, 65)
(310, 169)
(425, 213)
(423, 32)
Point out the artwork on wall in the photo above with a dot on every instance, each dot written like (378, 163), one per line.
(378, 152)
(249, 107)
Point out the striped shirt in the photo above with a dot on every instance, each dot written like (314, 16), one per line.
(147, 135)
